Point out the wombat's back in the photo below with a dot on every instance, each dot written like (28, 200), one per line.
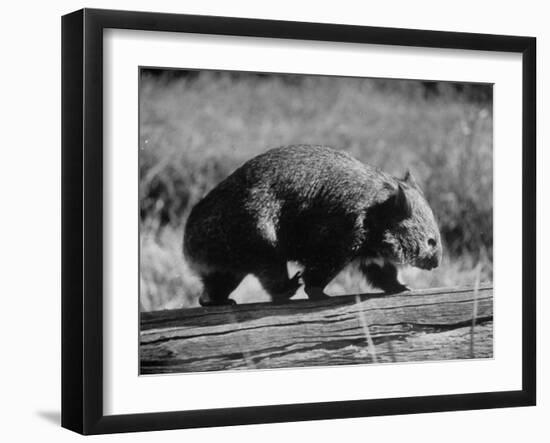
(302, 172)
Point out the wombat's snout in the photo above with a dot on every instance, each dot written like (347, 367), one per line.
(429, 262)
(432, 259)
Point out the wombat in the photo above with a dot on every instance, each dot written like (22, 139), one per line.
(313, 205)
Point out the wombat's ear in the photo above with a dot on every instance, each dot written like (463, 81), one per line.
(401, 203)
(410, 180)
(395, 208)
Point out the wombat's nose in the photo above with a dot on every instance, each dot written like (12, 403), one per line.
(432, 261)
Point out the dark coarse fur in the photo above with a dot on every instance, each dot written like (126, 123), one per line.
(313, 205)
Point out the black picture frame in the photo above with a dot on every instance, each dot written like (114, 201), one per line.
(82, 220)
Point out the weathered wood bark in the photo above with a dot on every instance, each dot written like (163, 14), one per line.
(414, 326)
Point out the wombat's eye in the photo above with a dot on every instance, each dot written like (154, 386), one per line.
(432, 242)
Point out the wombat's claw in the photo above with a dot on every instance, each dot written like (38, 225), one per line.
(292, 286)
(295, 282)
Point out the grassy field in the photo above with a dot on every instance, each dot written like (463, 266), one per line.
(196, 129)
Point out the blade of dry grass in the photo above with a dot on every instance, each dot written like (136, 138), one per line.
(474, 310)
(365, 326)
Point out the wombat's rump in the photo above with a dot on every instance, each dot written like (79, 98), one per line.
(314, 205)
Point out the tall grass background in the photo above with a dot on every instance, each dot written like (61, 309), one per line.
(197, 127)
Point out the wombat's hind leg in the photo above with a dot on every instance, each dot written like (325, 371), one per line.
(315, 280)
(275, 281)
(383, 277)
(217, 287)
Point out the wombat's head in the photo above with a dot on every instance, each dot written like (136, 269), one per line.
(410, 234)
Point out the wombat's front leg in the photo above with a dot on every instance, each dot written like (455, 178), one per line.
(383, 277)
(217, 287)
(275, 281)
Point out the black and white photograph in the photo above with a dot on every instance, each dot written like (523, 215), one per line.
(294, 220)
(271, 222)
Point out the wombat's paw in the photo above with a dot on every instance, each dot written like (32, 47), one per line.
(209, 302)
(291, 287)
(315, 293)
(396, 289)
(294, 282)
